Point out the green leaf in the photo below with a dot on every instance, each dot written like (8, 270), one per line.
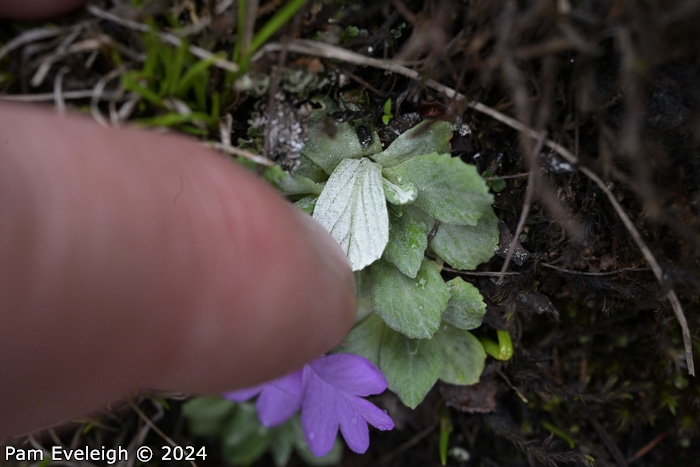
(298, 185)
(399, 195)
(501, 350)
(206, 415)
(424, 220)
(463, 356)
(273, 174)
(448, 189)
(291, 185)
(307, 204)
(365, 339)
(407, 244)
(411, 366)
(363, 286)
(352, 208)
(466, 246)
(309, 169)
(466, 307)
(386, 118)
(412, 307)
(243, 422)
(196, 73)
(387, 107)
(244, 439)
(282, 443)
(327, 150)
(425, 138)
(496, 185)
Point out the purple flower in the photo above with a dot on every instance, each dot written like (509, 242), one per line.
(330, 393)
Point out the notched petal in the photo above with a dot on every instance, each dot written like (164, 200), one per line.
(242, 395)
(280, 400)
(353, 427)
(370, 413)
(318, 414)
(350, 373)
(329, 383)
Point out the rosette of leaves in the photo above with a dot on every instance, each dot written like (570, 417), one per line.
(399, 214)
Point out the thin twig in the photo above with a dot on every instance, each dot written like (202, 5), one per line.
(405, 12)
(240, 152)
(527, 202)
(480, 273)
(153, 426)
(583, 273)
(389, 457)
(647, 447)
(321, 49)
(517, 391)
(607, 441)
(506, 177)
(363, 83)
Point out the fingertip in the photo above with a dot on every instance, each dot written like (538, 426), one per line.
(140, 260)
(37, 9)
(295, 293)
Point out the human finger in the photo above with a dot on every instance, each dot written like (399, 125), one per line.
(134, 260)
(36, 9)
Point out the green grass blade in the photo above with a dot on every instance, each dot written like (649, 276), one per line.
(173, 119)
(445, 430)
(271, 27)
(174, 69)
(215, 111)
(274, 24)
(130, 82)
(240, 27)
(193, 73)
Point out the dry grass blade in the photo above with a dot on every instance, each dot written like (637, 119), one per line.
(98, 92)
(59, 101)
(165, 37)
(87, 45)
(28, 37)
(49, 96)
(320, 49)
(153, 427)
(233, 150)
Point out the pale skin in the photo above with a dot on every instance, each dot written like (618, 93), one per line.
(132, 260)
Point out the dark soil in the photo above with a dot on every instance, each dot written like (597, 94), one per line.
(599, 353)
(599, 374)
